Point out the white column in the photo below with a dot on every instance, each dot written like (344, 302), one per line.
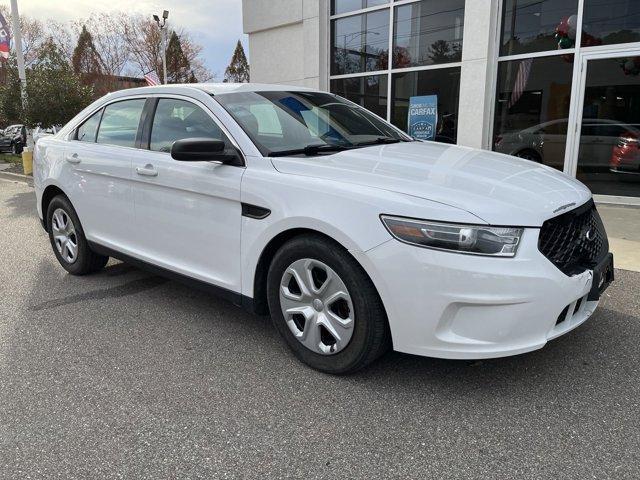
(477, 80)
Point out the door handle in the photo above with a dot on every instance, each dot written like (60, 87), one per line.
(73, 158)
(147, 171)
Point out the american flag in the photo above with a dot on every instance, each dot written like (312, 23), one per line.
(152, 79)
(4, 38)
(521, 81)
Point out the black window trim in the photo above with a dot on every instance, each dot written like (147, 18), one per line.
(73, 135)
(95, 137)
(138, 131)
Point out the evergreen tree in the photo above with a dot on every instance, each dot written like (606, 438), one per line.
(86, 59)
(178, 68)
(238, 69)
(54, 94)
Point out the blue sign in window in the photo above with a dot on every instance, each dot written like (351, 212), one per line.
(423, 117)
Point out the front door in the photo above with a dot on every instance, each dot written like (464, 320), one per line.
(606, 147)
(188, 214)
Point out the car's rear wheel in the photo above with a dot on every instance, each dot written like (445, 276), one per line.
(325, 306)
(14, 149)
(68, 241)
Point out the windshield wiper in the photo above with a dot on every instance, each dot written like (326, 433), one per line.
(309, 150)
(380, 141)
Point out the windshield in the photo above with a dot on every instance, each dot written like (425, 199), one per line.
(282, 123)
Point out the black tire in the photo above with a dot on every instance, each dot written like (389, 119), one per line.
(86, 261)
(14, 149)
(371, 337)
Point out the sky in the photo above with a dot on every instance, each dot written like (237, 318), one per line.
(214, 24)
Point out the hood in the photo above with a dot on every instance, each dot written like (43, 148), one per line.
(500, 189)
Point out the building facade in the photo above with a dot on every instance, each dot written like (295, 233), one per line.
(554, 81)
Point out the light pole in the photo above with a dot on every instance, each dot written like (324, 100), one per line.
(163, 32)
(17, 41)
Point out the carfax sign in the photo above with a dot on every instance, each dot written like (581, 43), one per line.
(423, 117)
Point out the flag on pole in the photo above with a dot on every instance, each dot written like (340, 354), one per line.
(524, 70)
(4, 38)
(152, 79)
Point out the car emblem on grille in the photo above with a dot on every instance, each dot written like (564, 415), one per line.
(590, 235)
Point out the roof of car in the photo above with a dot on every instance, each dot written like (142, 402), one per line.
(218, 88)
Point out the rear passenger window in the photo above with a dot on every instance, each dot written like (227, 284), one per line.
(87, 131)
(119, 125)
(179, 119)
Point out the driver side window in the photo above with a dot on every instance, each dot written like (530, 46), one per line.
(179, 119)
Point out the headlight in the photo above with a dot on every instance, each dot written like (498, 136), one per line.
(471, 239)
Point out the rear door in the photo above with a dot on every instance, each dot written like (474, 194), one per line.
(187, 214)
(101, 155)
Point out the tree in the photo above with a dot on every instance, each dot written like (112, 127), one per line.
(85, 59)
(144, 42)
(443, 51)
(35, 35)
(178, 68)
(108, 36)
(54, 92)
(238, 69)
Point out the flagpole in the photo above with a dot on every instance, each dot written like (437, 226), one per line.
(17, 41)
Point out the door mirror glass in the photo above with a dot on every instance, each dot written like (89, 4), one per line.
(203, 150)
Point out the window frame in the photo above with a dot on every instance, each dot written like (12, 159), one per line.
(391, 6)
(95, 137)
(73, 134)
(136, 142)
(146, 119)
(152, 104)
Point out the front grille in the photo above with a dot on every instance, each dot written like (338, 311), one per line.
(564, 240)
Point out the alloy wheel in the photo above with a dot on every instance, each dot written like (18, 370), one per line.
(317, 306)
(64, 235)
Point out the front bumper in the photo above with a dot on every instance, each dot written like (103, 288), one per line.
(450, 305)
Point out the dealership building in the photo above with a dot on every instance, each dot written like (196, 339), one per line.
(554, 81)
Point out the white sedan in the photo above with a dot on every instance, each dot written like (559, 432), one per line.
(299, 204)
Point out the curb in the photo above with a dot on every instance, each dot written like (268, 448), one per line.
(17, 177)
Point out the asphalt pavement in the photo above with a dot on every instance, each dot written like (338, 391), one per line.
(124, 374)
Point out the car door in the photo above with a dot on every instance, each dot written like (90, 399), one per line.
(100, 153)
(553, 141)
(187, 214)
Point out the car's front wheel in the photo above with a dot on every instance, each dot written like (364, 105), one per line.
(68, 241)
(325, 306)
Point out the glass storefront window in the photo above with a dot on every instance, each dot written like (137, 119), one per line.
(369, 92)
(607, 23)
(443, 82)
(428, 32)
(609, 151)
(360, 43)
(344, 6)
(532, 108)
(530, 25)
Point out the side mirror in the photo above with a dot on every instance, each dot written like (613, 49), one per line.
(204, 150)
